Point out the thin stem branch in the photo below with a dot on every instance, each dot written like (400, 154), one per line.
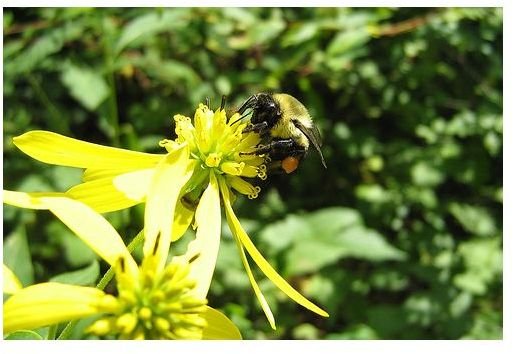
(57, 122)
(111, 80)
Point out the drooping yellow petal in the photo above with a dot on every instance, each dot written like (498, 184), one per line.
(88, 225)
(202, 252)
(11, 282)
(93, 229)
(260, 296)
(181, 221)
(28, 200)
(170, 176)
(219, 326)
(57, 149)
(266, 268)
(49, 303)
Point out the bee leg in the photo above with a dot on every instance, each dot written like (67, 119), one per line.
(259, 127)
(279, 149)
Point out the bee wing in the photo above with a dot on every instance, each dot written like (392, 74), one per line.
(314, 137)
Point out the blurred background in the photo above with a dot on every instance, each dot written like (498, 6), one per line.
(400, 238)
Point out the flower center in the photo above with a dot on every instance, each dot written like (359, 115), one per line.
(219, 144)
(156, 306)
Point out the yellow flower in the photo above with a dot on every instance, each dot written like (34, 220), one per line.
(219, 161)
(154, 301)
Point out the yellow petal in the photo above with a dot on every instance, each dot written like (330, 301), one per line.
(219, 326)
(28, 200)
(114, 192)
(135, 184)
(233, 168)
(101, 195)
(49, 303)
(266, 268)
(181, 221)
(11, 282)
(260, 296)
(57, 149)
(91, 174)
(170, 176)
(91, 228)
(243, 186)
(249, 142)
(203, 250)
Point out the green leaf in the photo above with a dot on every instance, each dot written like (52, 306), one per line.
(461, 304)
(46, 45)
(331, 220)
(17, 256)
(279, 235)
(373, 193)
(64, 177)
(345, 41)
(424, 174)
(75, 251)
(262, 32)
(483, 259)
(312, 254)
(359, 331)
(149, 24)
(474, 219)
(23, 335)
(300, 33)
(387, 320)
(486, 325)
(86, 85)
(85, 276)
(323, 237)
(169, 71)
(306, 331)
(420, 308)
(369, 244)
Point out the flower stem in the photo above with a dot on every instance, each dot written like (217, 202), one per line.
(113, 103)
(52, 330)
(107, 277)
(55, 119)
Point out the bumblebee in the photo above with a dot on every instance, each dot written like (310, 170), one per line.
(285, 126)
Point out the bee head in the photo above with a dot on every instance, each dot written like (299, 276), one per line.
(265, 109)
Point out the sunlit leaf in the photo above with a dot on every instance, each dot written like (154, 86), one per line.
(17, 256)
(85, 276)
(148, 24)
(86, 85)
(23, 335)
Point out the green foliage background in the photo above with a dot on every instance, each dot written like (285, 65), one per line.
(400, 238)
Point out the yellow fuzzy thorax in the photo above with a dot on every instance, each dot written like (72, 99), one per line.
(291, 110)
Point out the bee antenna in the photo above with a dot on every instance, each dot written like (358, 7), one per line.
(244, 116)
(248, 104)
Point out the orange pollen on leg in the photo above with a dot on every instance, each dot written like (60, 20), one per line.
(290, 164)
